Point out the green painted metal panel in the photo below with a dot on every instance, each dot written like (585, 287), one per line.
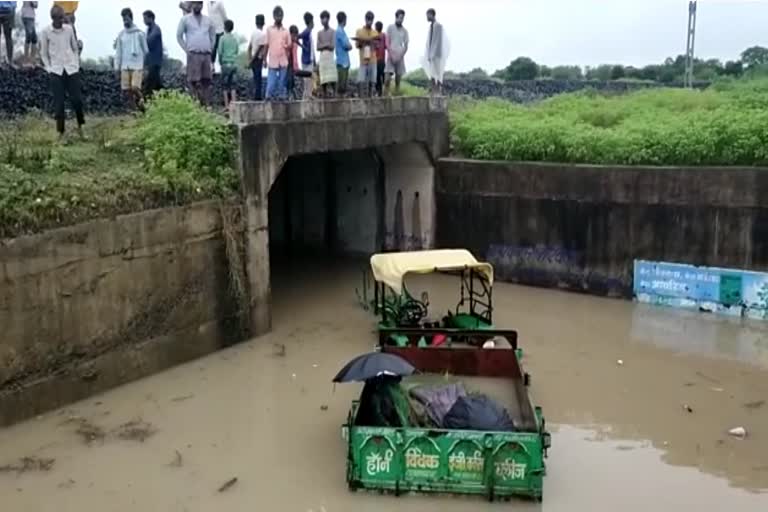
(492, 464)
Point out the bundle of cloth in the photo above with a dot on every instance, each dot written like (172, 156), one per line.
(450, 407)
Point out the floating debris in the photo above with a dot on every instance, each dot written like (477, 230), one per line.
(26, 464)
(68, 484)
(228, 484)
(136, 430)
(88, 431)
(177, 461)
(739, 432)
(754, 405)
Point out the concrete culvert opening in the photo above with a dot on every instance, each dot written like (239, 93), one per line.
(328, 212)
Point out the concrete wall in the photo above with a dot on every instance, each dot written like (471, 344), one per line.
(581, 227)
(92, 306)
(409, 197)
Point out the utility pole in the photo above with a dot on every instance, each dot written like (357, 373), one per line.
(690, 45)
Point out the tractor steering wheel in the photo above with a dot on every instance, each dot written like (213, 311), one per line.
(412, 313)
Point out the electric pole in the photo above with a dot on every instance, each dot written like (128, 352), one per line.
(690, 45)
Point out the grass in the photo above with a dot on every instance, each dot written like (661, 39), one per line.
(724, 125)
(44, 183)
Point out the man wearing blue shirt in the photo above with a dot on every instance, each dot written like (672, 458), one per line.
(7, 19)
(343, 47)
(154, 60)
(307, 54)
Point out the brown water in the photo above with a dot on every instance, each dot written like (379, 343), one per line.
(621, 437)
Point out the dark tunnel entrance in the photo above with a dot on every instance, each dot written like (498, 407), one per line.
(328, 205)
(331, 210)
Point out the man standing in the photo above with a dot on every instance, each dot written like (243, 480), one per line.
(28, 15)
(437, 53)
(366, 38)
(397, 41)
(60, 55)
(229, 49)
(218, 15)
(7, 20)
(307, 54)
(196, 36)
(343, 47)
(154, 60)
(278, 45)
(381, 58)
(326, 62)
(256, 55)
(130, 53)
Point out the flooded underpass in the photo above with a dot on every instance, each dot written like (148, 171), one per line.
(647, 434)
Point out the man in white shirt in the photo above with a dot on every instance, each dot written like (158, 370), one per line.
(218, 15)
(61, 58)
(256, 53)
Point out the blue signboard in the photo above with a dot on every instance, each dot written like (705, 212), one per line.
(730, 291)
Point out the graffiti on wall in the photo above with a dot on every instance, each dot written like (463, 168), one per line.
(720, 290)
(552, 266)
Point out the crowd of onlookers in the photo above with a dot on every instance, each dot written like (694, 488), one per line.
(320, 62)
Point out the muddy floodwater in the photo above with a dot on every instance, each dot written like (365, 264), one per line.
(646, 435)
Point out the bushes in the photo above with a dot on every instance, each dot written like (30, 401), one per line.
(726, 125)
(176, 154)
(179, 136)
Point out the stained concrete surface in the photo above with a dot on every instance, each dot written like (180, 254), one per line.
(621, 437)
(91, 306)
(581, 227)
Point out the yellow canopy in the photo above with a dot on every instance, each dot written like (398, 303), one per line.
(391, 268)
(69, 7)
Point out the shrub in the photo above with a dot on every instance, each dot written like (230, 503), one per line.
(44, 184)
(180, 137)
(726, 125)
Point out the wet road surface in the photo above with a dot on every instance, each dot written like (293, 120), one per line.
(266, 413)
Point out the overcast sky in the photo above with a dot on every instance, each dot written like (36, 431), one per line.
(490, 33)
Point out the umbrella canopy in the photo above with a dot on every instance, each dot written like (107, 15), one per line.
(372, 365)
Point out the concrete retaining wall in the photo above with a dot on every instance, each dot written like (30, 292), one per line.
(581, 227)
(92, 306)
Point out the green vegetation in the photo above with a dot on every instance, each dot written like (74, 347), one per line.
(724, 125)
(174, 155)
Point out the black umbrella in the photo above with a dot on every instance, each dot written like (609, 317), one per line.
(373, 365)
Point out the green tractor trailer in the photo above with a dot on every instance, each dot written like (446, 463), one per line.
(413, 458)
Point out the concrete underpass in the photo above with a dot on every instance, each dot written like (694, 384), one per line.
(352, 203)
(335, 177)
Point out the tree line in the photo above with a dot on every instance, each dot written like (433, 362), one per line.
(752, 61)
